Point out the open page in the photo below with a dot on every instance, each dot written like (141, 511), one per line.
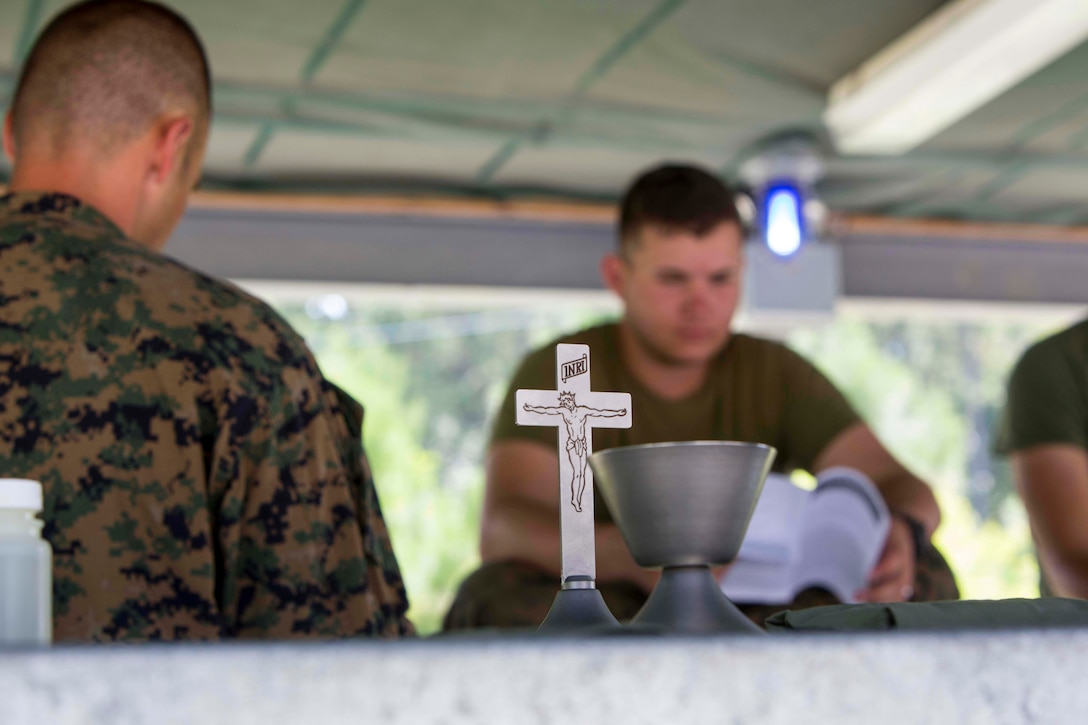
(830, 537)
(763, 569)
(842, 534)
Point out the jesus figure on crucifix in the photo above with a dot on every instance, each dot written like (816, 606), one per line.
(574, 417)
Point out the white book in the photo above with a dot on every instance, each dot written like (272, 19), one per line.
(830, 537)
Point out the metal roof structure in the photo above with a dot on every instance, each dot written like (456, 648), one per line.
(568, 98)
(564, 100)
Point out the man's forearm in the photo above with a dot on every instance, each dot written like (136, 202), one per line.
(1052, 480)
(531, 534)
(522, 532)
(906, 494)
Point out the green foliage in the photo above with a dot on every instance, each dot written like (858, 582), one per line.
(932, 391)
(918, 423)
(431, 379)
(992, 558)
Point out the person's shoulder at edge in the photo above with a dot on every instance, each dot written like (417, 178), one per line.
(1071, 340)
(176, 289)
(173, 291)
(1040, 381)
(1068, 346)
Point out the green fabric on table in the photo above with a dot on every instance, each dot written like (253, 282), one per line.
(921, 616)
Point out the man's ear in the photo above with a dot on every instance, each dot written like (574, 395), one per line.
(613, 271)
(9, 137)
(170, 141)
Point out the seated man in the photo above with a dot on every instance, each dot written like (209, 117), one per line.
(677, 272)
(1046, 434)
(201, 479)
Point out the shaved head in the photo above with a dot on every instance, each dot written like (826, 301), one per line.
(103, 71)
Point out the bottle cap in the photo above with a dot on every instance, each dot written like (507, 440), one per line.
(20, 493)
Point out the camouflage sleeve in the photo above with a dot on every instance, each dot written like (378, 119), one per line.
(304, 550)
(382, 569)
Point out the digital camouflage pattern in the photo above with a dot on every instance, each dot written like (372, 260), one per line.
(202, 480)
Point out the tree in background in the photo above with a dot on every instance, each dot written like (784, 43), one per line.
(933, 392)
(431, 379)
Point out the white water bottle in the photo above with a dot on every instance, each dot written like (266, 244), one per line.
(26, 566)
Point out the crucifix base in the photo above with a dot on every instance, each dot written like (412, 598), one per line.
(688, 599)
(578, 605)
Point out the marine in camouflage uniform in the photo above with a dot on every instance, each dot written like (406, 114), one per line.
(202, 480)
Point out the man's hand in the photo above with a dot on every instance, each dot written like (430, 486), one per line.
(892, 579)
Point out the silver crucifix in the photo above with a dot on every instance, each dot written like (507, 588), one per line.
(575, 410)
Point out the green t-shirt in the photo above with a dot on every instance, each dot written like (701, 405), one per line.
(758, 391)
(1048, 398)
(1048, 393)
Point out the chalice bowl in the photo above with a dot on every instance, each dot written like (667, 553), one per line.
(684, 507)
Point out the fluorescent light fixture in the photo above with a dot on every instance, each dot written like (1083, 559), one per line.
(783, 225)
(959, 58)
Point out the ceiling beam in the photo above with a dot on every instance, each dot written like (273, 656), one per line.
(780, 79)
(491, 246)
(857, 225)
(1002, 180)
(440, 207)
(1016, 170)
(258, 145)
(491, 115)
(332, 37)
(496, 111)
(913, 171)
(367, 186)
(846, 225)
(631, 140)
(605, 62)
(436, 128)
(32, 18)
(625, 44)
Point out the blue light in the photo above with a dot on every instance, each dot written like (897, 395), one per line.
(783, 228)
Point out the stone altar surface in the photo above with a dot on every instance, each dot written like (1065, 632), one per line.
(1009, 677)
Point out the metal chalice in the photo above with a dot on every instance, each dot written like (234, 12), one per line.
(684, 507)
